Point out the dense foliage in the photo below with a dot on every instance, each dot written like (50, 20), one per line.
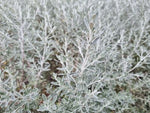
(74, 56)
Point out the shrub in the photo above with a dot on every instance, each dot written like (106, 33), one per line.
(74, 56)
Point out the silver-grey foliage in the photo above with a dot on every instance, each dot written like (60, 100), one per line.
(74, 56)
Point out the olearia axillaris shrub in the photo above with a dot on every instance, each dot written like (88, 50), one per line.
(74, 56)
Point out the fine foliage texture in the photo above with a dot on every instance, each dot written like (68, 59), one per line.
(74, 56)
